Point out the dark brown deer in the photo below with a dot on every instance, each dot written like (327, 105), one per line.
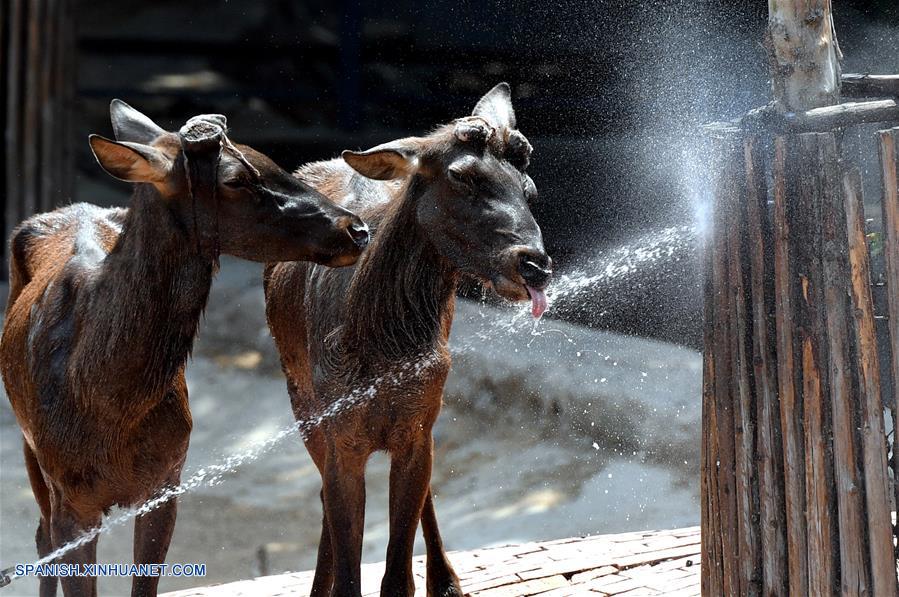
(450, 204)
(103, 310)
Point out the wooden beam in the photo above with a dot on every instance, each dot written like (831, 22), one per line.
(841, 115)
(859, 85)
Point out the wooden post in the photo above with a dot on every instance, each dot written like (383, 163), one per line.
(889, 161)
(770, 451)
(812, 516)
(853, 553)
(804, 55)
(877, 483)
(790, 411)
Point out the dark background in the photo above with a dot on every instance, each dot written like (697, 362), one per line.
(609, 92)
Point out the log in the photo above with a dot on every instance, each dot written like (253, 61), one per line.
(859, 85)
(804, 58)
(877, 483)
(889, 162)
(816, 164)
(770, 453)
(711, 571)
(853, 551)
(743, 396)
(725, 390)
(841, 115)
(767, 120)
(785, 160)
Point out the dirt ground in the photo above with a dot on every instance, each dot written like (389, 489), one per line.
(547, 433)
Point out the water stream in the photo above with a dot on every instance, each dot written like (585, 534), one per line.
(646, 252)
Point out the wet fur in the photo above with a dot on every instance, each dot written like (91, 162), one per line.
(104, 306)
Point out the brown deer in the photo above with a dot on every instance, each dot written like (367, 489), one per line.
(450, 204)
(103, 310)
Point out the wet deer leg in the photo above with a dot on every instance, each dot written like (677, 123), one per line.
(410, 476)
(152, 536)
(344, 505)
(442, 580)
(42, 536)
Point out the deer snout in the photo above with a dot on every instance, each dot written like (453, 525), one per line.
(535, 266)
(357, 229)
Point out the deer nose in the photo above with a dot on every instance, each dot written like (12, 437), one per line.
(358, 231)
(535, 267)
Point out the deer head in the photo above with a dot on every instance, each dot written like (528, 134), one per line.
(472, 194)
(234, 199)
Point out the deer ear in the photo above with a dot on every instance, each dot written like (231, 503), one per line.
(396, 159)
(131, 162)
(130, 125)
(496, 107)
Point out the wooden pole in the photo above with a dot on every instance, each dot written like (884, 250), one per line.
(724, 397)
(803, 54)
(770, 452)
(877, 483)
(742, 394)
(889, 161)
(790, 408)
(854, 577)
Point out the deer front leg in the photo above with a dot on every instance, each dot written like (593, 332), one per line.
(152, 536)
(410, 477)
(344, 505)
(441, 578)
(66, 526)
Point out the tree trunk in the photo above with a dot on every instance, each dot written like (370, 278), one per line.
(804, 54)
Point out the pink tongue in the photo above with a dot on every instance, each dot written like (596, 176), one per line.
(538, 302)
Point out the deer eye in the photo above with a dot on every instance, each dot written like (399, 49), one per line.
(458, 177)
(236, 183)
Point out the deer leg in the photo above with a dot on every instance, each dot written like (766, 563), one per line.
(66, 526)
(410, 476)
(344, 505)
(324, 565)
(442, 580)
(152, 536)
(47, 586)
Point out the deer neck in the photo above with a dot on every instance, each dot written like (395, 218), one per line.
(154, 285)
(401, 299)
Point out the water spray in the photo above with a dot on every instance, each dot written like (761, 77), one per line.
(212, 475)
(619, 262)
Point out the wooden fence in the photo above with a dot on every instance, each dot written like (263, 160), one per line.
(37, 86)
(796, 494)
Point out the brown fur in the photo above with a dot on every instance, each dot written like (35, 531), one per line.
(103, 309)
(378, 332)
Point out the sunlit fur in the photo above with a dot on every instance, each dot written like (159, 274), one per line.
(103, 310)
(384, 324)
